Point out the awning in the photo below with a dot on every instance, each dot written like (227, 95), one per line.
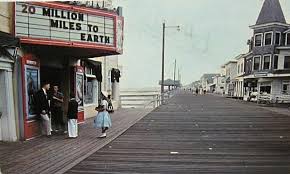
(7, 40)
(97, 69)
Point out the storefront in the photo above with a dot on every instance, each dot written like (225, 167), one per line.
(251, 89)
(92, 86)
(56, 39)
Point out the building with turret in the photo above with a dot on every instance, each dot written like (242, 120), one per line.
(267, 70)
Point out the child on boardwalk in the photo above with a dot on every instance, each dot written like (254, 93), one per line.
(103, 119)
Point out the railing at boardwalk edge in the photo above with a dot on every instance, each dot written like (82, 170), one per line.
(145, 99)
(273, 99)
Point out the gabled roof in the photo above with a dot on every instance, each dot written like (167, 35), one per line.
(271, 12)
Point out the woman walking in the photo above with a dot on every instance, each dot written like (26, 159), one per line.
(103, 119)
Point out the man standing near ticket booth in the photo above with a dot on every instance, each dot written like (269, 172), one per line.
(56, 109)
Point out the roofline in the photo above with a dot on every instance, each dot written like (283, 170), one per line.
(239, 56)
(268, 24)
(247, 54)
(231, 61)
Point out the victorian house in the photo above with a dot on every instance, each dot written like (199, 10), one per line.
(267, 68)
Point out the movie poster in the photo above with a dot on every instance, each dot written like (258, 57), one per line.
(79, 89)
(32, 86)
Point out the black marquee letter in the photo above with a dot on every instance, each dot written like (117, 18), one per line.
(53, 23)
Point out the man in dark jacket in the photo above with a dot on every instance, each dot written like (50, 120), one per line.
(72, 115)
(43, 109)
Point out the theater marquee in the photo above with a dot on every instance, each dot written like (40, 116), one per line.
(68, 24)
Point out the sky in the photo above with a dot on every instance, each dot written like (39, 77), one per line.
(212, 33)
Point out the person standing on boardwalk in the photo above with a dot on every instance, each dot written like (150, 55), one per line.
(196, 91)
(43, 109)
(110, 105)
(56, 109)
(103, 119)
(72, 115)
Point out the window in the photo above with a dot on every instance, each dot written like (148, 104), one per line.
(277, 38)
(265, 88)
(249, 66)
(268, 38)
(287, 62)
(287, 39)
(258, 40)
(266, 64)
(275, 64)
(286, 87)
(256, 63)
(239, 69)
(242, 67)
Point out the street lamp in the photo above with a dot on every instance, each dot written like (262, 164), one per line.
(162, 64)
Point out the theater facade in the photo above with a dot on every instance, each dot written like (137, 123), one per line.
(56, 38)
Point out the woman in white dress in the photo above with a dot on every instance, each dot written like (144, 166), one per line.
(103, 119)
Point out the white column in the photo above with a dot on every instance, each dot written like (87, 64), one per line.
(8, 120)
(116, 92)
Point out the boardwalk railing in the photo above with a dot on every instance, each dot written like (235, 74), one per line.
(273, 99)
(143, 99)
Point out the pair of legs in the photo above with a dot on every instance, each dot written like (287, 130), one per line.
(72, 128)
(104, 135)
(46, 124)
(104, 129)
(57, 118)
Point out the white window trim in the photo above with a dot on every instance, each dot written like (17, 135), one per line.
(254, 63)
(286, 39)
(270, 61)
(272, 33)
(274, 61)
(284, 62)
(280, 37)
(284, 82)
(261, 39)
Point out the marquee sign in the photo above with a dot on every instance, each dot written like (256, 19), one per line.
(70, 25)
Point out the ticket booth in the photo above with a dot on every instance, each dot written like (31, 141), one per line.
(30, 85)
(78, 88)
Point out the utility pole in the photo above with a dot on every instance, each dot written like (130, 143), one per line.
(162, 64)
(174, 73)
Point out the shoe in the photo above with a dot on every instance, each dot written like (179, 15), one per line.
(103, 135)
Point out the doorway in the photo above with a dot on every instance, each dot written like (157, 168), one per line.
(55, 76)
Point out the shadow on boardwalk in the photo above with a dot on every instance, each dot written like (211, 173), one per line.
(200, 135)
(57, 154)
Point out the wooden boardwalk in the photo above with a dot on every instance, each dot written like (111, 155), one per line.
(198, 135)
(57, 154)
